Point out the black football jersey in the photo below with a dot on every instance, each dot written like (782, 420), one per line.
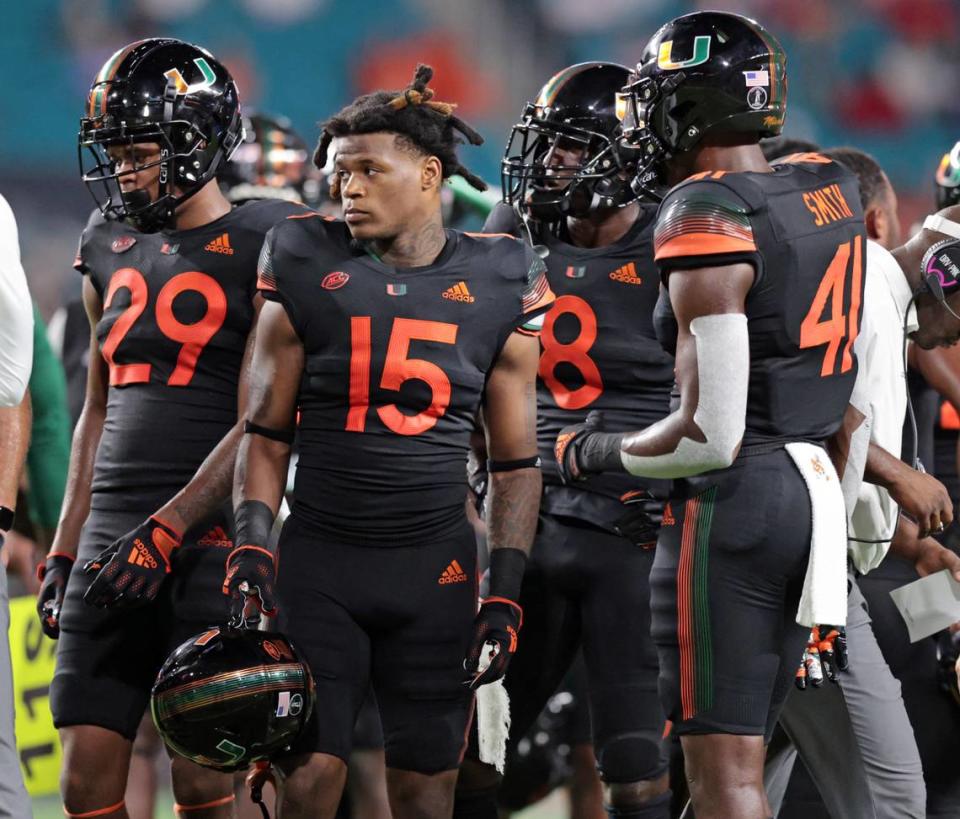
(801, 227)
(177, 310)
(395, 366)
(599, 351)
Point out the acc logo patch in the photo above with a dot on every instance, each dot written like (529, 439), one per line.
(335, 280)
(122, 243)
(271, 649)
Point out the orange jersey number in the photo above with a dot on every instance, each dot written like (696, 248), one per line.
(838, 329)
(192, 337)
(574, 352)
(398, 368)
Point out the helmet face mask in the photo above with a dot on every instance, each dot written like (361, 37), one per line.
(563, 157)
(638, 103)
(140, 96)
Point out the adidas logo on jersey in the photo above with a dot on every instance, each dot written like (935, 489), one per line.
(453, 574)
(459, 292)
(217, 536)
(220, 245)
(140, 556)
(626, 274)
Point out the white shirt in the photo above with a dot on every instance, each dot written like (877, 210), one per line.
(16, 315)
(880, 393)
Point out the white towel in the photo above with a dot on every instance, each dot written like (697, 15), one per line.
(824, 598)
(493, 719)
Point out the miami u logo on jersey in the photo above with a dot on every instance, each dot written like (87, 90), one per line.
(181, 84)
(701, 53)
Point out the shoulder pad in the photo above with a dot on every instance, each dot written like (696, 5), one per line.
(704, 217)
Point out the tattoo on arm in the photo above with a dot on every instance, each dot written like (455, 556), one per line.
(513, 505)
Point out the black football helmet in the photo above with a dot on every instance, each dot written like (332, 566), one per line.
(948, 178)
(270, 163)
(563, 157)
(230, 697)
(707, 72)
(168, 92)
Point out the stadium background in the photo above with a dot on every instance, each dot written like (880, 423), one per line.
(874, 73)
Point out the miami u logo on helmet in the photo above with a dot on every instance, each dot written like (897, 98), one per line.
(205, 69)
(701, 53)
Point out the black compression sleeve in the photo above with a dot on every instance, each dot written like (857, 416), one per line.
(600, 452)
(254, 520)
(506, 572)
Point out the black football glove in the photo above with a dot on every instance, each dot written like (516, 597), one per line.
(824, 657)
(640, 521)
(568, 443)
(251, 577)
(132, 569)
(494, 639)
(53, 575)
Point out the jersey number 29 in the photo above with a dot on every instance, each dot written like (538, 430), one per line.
(193, 337)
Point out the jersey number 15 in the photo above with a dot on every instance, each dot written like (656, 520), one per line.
(398, 368)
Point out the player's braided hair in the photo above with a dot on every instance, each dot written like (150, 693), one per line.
(427, 125)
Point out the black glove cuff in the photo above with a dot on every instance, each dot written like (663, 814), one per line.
(254, 520)
(506, 573)
(599, 452)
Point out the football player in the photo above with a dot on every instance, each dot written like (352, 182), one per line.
(750, 255)
(568, 181)
(388, 333)
(170, 290)
(271, 163)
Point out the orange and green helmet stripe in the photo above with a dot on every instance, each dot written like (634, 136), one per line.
(96, 104)
(552, 87)
(778, 58)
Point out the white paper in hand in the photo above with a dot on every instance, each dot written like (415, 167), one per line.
(493, 717)
(928, 605)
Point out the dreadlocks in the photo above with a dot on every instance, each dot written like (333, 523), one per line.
(425, 124)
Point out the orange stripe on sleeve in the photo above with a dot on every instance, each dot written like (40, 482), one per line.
(703, 244)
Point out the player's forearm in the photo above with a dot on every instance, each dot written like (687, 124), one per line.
(656, 451)
(261, 471)
(76, 498)
(884, 469)
(208, 489)
(906, 542)
(14, 439)
(513, 505)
